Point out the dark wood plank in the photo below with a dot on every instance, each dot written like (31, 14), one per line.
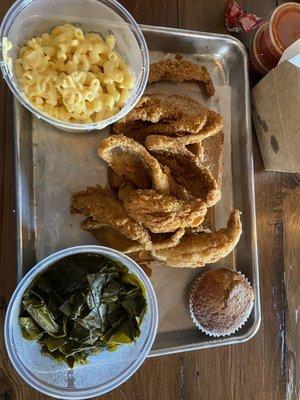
(158, 378)
(153, 12)
(291, 245)
(207, 16)
(7, 223)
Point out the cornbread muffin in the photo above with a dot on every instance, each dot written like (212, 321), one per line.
(220, 301)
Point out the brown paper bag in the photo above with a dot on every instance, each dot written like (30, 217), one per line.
(276, 116)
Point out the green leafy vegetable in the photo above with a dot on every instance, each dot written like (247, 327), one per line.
(82, 305)
(30, 330)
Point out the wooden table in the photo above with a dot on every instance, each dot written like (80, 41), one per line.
(266, 367)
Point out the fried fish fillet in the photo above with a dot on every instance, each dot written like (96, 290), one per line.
(110, 237)
(108, 210)
(197, 149)
(159, 212)
(196, 250)
(212, 155)
(181, 70)
(114, 180)
(160, 241)
(168, 114)
(213, 125)
(132, 161)
(177, 122)
(184, 168)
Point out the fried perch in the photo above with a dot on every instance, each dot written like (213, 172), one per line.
(132, 161)
(142, 257)
(214, 123)
(107, 236)
(168, 114)
(112, 238)
(181, 70)
(199, 249)
(160, 212)
(184, 168)
(159, 241)
(139, 130)
(114, 179)
(197, 149)
(166, 240)
(212, 155)
(108, 210)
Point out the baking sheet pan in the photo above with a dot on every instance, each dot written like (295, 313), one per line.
(51, 165)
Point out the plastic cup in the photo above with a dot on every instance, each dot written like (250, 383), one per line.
(105, 371)
(29, 18)
(274, 36)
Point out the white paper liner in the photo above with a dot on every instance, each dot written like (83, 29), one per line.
(196, 322)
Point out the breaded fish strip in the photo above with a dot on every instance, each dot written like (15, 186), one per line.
(184, 168)
(199, 249)
(137, 129)
(159, 212)
(132, 161)
(108, 236)
(168, 114)
(108, 211)
(214, 123)
(197, 149)
(181, 70)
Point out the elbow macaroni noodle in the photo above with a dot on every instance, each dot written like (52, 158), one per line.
(74, 77)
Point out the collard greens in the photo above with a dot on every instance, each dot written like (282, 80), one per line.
(82, 305)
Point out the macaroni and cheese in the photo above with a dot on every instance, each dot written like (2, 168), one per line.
(74, 77)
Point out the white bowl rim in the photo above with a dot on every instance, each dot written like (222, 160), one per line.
(17, 6)
(43, 265)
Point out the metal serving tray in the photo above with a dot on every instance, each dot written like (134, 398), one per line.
(51, 165)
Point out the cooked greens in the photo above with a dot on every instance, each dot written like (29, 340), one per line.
(81, 305)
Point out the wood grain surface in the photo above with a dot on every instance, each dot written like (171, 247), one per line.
(266, 367)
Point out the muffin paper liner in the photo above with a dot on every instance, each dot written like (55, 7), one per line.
(196, 322)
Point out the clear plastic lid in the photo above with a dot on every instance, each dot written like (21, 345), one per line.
(29, 18)
(105, 371)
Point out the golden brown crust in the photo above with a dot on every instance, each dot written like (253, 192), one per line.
(160, 212)
(132, 161)
(212, 155)
(111, 237)
(107, 236)
(197, 149)
(184, 168)
(167, 114)
(181, 70)
(221, 300)
(114, 180)
(180, 120)
(199, 249)
(109, 211)
(214, 123)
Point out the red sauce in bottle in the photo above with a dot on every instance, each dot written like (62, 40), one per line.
(272, 38)
(285, 25)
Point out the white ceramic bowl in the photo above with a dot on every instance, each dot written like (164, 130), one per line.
(105, 371)
(29, 18)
